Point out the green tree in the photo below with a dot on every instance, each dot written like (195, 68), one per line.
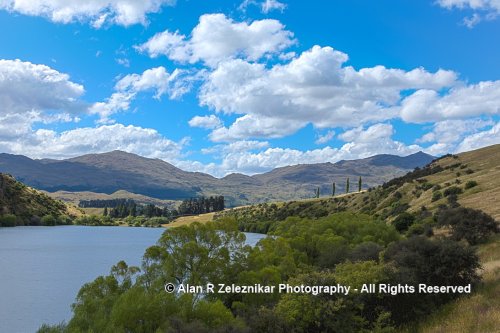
(105, 213)
(333, 189)
(472, 225)
(48, 220)
(8, 220)
(359, 184)
(347, 186)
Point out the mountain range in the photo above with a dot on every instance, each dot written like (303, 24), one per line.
(121, 171)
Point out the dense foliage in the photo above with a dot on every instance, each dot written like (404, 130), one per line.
(344, 248)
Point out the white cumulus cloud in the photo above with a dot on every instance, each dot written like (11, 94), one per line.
(157, 79)
(482, 9)
(480, 139)
(322, 139)
(27, 87)
(360, 143)
(315, 87)
(96, 12)
(209, 122)
(45, 143)
(217, 38)
(464, 101)
(265, 6)
(32, 93)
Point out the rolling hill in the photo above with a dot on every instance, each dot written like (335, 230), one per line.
(28, 204)
(114, 171)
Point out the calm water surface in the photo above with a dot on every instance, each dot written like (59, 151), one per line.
(42, 268)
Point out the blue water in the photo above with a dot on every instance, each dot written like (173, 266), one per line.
(42, 268)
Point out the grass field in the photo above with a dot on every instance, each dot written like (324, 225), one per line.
(185, 220)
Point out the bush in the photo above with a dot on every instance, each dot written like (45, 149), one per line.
(452, 190)
(426, 186)
(8, 220)
(403, 221)
(432, 262)
(48, 220)
(436, 196)
(365, 251)
(472, 225)
(415, 230)
(470, 184)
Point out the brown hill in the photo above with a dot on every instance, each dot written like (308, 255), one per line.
(115, 171)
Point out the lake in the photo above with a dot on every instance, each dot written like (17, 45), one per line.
(42, 268)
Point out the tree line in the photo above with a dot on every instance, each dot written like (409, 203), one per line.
(121, 208)
(202, 205)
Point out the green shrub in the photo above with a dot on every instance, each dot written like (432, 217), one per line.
(49, 220)
(436, 196)
(470, 184)
(415, 230)
(8, 220)
(403, 221)
(472, 225)
(452, 190)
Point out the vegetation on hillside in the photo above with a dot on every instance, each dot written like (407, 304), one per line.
(127, 212)
(22, 205)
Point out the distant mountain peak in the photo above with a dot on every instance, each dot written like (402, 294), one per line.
(119, 170)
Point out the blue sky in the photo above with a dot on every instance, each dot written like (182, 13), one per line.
(247, 86)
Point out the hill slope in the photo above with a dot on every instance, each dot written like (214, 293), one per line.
(114, 171)
(474, 177)
(26, 203)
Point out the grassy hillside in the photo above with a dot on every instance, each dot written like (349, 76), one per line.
(185, 220)
(475, 176)
(28, 205)
(470, 180)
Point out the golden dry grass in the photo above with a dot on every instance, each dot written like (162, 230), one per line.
(477, 313)
(485, 163)
(185, 220)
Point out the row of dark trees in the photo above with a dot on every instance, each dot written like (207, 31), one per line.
(121, 208)
(347, 187)
(103, 203)
(131, 208)
(202, 205)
